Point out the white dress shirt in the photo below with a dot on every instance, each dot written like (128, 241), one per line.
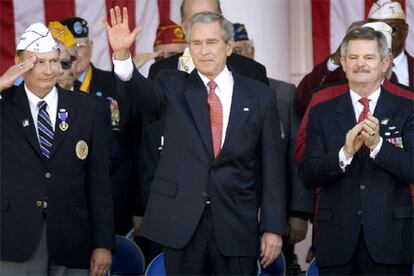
(400, 68)
(358, 107)
(224, 91)
(52, 103)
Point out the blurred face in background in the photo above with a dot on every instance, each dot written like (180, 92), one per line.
(169, 49)
(85, 47)
(68, 57)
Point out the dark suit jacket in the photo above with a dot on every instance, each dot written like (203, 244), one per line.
(372, 196)
(127, 133)
(300, 201)
(188, 174)
(80, 211)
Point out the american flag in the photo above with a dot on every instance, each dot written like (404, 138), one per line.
(329, 20)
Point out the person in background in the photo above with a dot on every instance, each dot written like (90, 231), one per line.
(169, 41)
(300, 203)
(125, 122)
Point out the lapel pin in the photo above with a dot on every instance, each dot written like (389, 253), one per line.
(25, 122)
(246, 109)
(385, 121)
(63, 115)
(161, 143)
(396, 132)
(387, 133)
(392, 128)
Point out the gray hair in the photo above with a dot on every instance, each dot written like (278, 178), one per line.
(211, 17)
(182, 8)
(366, 33)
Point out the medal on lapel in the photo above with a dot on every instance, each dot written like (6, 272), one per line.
(63, 116)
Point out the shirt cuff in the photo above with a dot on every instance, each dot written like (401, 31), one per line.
(375, 151)
(343, 162)
(123, 68)
(331, 66)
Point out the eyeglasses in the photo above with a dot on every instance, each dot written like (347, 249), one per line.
(67, 64)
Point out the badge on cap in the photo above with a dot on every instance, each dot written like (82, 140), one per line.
(63, 116)
(81, 150)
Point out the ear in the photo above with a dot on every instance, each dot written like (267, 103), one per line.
(386, 62)
(229, 47)
(343, 61)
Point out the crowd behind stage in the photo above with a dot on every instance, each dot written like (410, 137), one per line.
(208, 160)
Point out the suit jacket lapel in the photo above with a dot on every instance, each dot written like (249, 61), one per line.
(385, 107)
(196, 95)
(345, 113)
(23, 115)
(241, 106)
(64, 103)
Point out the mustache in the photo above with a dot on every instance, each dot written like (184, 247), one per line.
(361, 70)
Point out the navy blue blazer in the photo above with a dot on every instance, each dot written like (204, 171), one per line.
(188, 174)
(372, 196)
(78, 191)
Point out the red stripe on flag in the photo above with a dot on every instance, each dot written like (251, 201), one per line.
(57, 10)
(164, 9)
(7, 34)
(130, 4)
(320, 30)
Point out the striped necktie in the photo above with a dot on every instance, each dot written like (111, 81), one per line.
(365, 111)
(216, 117)
(45, 129)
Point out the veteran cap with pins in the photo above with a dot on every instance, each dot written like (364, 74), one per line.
(62, 33)
(77, 26)
(169, 32)
(382, 27)
(386, 9)
(37, 38)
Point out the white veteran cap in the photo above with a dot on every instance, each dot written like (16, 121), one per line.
(37, 38)
(386, 9)
(382, 27)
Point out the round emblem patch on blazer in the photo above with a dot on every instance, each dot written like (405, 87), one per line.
(81, 150)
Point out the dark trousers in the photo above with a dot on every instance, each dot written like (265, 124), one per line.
(361, 263)
(202, 257)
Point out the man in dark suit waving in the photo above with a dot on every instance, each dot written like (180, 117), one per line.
(203, 205)
(359, 150)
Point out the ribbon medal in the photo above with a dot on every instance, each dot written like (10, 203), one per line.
(63, 116)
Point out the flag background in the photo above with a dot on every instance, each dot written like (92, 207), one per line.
(289, 36)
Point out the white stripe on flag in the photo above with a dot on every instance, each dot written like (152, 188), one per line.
(409, 43)
(146, 15)
(93, 11)
(343, 13)
(27, 13)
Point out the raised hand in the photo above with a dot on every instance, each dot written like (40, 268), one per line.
(371, 132)
(119, 35)
(15, 71)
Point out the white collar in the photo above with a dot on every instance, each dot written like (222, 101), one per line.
(398, 60)
(33, 99)
(373, 97)
(221, 80)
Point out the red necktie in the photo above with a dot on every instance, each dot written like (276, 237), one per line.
(216, 117)
(364, 113)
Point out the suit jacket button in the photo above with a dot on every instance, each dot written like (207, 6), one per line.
(48, 175)
(204, 194)
(359, 212)
(39, 203)
(362, 187)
